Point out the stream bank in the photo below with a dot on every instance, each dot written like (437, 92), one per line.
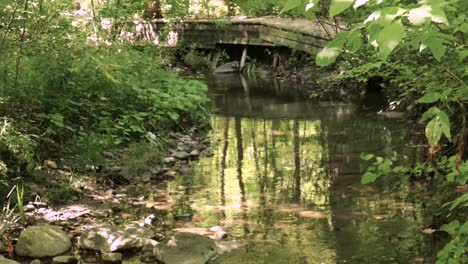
(277, 180)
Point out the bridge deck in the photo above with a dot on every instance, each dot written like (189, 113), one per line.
(301, 34)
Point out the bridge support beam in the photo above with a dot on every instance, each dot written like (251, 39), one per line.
(275, 59)
(243, 58)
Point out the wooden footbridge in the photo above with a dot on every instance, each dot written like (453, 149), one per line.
(300, 34)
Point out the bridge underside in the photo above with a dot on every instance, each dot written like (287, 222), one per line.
(300, 34)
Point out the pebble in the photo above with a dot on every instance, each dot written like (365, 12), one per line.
(112, 258)
(36, 261)
(146, 177)
(220, 235)
(216, 228)
(51, 164)
(147, 257)
(181, 188)
(115, 169)
(195, 153)
(168, 160)
(207, 153)
(64, 260)
(181, 155)
(29, 208)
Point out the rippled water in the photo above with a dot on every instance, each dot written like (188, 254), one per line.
(285, 178)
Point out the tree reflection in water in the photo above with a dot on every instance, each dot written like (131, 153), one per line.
(286, 176)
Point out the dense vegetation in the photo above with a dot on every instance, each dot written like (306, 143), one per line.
(71, 89)
(69, 92)
(418, 50)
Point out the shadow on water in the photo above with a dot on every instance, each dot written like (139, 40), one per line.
(285, 177)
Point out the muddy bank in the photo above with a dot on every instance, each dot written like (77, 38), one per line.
(113, 214)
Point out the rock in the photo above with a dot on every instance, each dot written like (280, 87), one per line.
(195, 153)
(36, 261)
(168, 160)
(220, 235)
(207, 153)
(147, 257)
(118, 221)
(186, 248)
(112, 258)
(146, 177)
(65, 260)
(91, 259)
(42, 241)
(29, 208)
(4, 260)
(184, 171)
(115, 238)
(151, 136)
(51, 164)
(181, 155)
(216, 228)
(115, 169)
(181, 187)
(170, 174)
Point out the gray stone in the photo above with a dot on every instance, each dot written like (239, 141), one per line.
(51, 164)
(29, 208)
(195, 153)
(115, 238)
(146, 177)
(112, 258)
(42, 241)
(65, 260)
(168, 160)
(186, 248)
(181, 155)
(207, 153)
(220, 235)
(4, 260)
(115, 169)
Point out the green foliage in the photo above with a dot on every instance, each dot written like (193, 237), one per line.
(60, 88)
(456, 250)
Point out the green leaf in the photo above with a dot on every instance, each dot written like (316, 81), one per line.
(57, 119)
(451, 227)
(389, 38)
(433, 131)
(366, 156)
(429, 98)
(369, 177)
(354, 41)
(331, 51)
(430, 113)
(437, 48)
(327, 56)
(417, 16)
(444, 124)
(462, 55)
(359, 3)
(338, 6)
(290, 5)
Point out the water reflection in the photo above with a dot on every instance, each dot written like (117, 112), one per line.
(285, 177)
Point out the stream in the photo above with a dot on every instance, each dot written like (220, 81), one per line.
(285, 179)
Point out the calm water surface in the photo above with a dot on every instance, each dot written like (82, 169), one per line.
(285, 178)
